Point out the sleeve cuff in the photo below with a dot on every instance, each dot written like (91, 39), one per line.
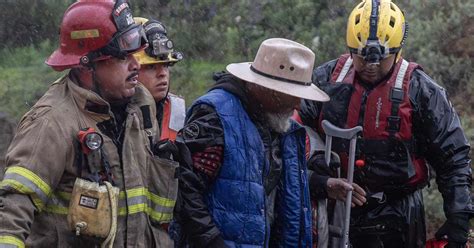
(318, 186)
(9, 240)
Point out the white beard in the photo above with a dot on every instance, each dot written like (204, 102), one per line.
(280, 122)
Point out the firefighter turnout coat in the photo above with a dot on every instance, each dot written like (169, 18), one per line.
(44, 161)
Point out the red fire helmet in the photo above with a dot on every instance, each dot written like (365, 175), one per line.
(93, 30)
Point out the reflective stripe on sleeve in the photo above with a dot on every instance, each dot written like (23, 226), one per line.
(24, 181)
(58, 203)
(11, 241)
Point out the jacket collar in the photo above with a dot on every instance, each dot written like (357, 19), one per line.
(90, 101)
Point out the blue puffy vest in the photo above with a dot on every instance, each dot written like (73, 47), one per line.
(236, 200)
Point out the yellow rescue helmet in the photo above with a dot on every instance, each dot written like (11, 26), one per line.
(160, 48)
(376, 29)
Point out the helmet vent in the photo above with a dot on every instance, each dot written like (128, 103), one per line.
(357, 19)
(387, 37)
(392, 6)
(358, 37)
(392, 21)
(361, 5)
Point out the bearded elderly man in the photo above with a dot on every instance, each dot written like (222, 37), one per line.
(245, 182)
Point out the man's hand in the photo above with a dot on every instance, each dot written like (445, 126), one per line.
(456, 228)
(337, 188)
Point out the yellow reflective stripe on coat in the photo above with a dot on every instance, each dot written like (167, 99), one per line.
(139, 200)
(9, 184)
(165, 202)
(8, 240)
(58, 203)
(24, 181)
(139, 208)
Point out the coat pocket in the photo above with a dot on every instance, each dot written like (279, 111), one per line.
(163, 189)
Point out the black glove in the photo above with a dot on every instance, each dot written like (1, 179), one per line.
(166, 149)
(456, 228)
(318, 164)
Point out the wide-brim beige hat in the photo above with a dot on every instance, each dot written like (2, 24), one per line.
(284, 66)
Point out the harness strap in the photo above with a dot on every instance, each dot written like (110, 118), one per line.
(396, 97)
(345, 70)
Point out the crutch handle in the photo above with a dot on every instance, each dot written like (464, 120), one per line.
(334, 131)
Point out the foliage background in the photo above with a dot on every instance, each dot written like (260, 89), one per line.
(213, 33)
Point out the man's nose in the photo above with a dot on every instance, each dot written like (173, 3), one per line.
(133, 65)
(160, 70)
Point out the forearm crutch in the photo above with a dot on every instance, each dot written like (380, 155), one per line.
(351, 135)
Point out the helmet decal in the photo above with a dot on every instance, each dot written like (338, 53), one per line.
(122, 15)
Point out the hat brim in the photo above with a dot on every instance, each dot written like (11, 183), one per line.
(311, 92)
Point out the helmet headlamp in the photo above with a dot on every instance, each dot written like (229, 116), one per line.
(161, 46)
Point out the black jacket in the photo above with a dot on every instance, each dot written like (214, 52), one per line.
(202, 130)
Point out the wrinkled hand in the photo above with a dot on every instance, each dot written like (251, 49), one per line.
(337, 188)
(456, 229)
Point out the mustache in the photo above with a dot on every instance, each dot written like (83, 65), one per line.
(132, 75)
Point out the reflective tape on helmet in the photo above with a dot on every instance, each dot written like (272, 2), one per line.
(24, 181)
(11, 241)
(83, 34)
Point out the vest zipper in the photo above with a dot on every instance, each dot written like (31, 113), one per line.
(264, 212)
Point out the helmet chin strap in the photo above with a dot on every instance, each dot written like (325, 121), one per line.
(95, 82)
(168, 91)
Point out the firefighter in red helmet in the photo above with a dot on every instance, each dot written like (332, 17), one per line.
(80, 170)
